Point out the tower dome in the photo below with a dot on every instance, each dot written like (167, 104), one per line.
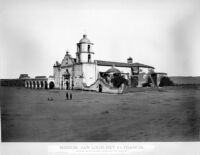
(84, 50)
(84, 39)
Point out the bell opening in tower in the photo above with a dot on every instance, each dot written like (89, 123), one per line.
(89, 58)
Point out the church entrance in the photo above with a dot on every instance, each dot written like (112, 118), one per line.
(46, 85)
(100, 88)
(51, 85)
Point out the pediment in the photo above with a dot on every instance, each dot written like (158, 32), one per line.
(67, 61)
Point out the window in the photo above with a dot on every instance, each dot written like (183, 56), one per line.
(89, 58)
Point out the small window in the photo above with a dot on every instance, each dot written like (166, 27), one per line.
(89, 58)
(66, 61)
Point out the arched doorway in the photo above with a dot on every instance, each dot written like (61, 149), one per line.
(38, 84)
(100, 88)
(51, 85)
(41, 84)
(34, 84)
(46, 85)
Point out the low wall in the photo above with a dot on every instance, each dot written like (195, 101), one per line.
(106, 88)
(184, 80)
(12, 82)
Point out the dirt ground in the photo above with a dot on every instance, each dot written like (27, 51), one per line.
(167, 114)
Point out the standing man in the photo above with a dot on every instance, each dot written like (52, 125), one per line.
(70, 96)
(67, 85)
(67, 96)
(72, 85)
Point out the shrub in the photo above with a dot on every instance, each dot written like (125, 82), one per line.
(166, 81)
(117, 80)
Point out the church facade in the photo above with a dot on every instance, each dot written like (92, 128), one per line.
(83, 72)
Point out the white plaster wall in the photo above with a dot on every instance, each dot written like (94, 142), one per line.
(84, 47)
(77, 76)
(84, 57)
(56, 77)
(92, 57)
(89, 73)
(91, 48)
(106, 89)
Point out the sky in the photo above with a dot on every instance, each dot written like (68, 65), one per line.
(34, 34)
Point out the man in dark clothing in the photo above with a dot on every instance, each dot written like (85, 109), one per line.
(67, 96)
(67, 85)
(70, 96)
(72, 85)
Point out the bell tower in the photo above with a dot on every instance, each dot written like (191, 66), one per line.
(84, 52)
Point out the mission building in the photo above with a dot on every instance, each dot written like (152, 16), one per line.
(83, 72)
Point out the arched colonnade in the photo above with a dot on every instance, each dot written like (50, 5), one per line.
(39, 84)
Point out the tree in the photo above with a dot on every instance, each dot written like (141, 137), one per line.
(117, 80)
(166, 81)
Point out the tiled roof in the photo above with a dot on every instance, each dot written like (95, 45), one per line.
(161, 73)
(40, 77)
(121, 64)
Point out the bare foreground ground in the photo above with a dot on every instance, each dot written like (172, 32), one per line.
(167, 114)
